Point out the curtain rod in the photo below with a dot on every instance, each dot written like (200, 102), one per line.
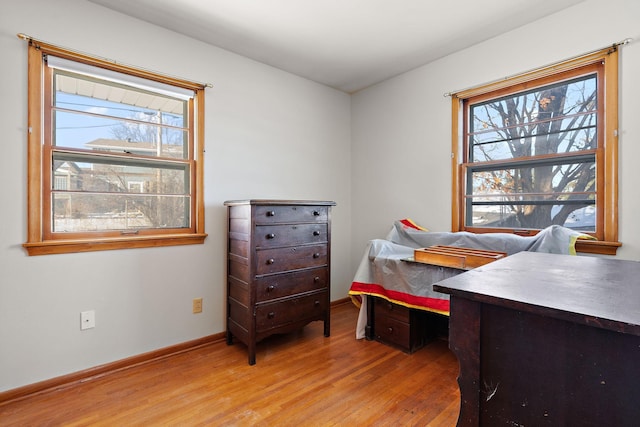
(30, 39)
(612, 46)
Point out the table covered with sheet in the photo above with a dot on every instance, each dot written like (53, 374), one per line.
(387, 269)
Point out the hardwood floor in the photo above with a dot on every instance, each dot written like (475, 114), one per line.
(300, 379)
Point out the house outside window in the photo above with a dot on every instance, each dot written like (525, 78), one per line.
(538, 150)
(115, 155)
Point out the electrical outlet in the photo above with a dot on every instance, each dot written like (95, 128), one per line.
(87, 319)
(197, 305)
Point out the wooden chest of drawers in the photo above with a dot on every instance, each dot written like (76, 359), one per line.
(278, 272)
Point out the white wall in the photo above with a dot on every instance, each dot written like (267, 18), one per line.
(384, 154)
(401, 128)
(269, 134)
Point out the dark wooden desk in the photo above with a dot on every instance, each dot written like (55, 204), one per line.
(547, 340)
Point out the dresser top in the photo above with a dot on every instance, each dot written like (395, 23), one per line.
(273, 202)
(601, 292)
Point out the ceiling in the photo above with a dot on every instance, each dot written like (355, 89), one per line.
(345, 44)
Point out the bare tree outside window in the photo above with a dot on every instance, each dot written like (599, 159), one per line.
(532, 157)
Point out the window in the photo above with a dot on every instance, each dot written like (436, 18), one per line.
(540, 149)
(114, 157)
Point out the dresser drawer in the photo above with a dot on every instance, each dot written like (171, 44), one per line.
(401, 326)
(270, 236)
(294, 258)
(393, 331)
(385, 308)
(283, 312)
(285, 284)
(282, 214)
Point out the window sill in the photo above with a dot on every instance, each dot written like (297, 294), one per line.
(73, 246)
(597, 247)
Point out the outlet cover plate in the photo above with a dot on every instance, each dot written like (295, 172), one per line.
(87, 319)
(197, 305)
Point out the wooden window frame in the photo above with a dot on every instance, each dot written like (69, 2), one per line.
(39, 241)
(607, 227)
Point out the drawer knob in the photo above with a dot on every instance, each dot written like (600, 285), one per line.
(271, 213)
(271, 315)
(316, 233)
(316, 213)
(316, 279)
(270, 261)
(271, 288)
(271, 236)
(316, 255)
(316, 303)
(390, 329)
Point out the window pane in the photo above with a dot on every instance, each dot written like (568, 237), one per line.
(83, 131)
(569, 140)
(113, 175)
(532, 196)
(577, 217)
(88, 190)
(106, 116)
(87, 212)
(553, 119)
